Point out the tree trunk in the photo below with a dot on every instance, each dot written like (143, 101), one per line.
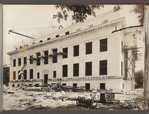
(146, 58)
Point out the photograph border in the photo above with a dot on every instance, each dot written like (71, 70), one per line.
(46, 2)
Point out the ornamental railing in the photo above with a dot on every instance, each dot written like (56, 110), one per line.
(27, 80)
(73, 78)
(80, 78)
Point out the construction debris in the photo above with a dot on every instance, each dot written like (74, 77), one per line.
(18, 99)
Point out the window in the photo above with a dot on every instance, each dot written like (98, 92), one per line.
(87, 86)
(30, 85)
(122, 47)
(46, 57)
(38, 59)
(89, 48)
(103, 45)
(18, 85)
(57, 36)
(76, 50)
(64, 84)
(54, 74)
(76, 69)
(55, 56)
(88, 68)
(126, 63)
(14, 75)
(65, 52)
(90, 25)
(12, 85)
(14, 62)
(48, 38)
(67, 32)
(104, 21)
(40, 41)
(25, 60)
(75, 85)
(31, 73)
(25, 74)
(36, 85)
(122, 85)
(31, 59)
(64, 70)
(102, 85)
(38, 75)
(103, 67)
(121, 68)
(19, 62)
(19, 76)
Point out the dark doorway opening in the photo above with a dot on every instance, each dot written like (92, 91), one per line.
(102, 98)
(87, 86)
(45, 78)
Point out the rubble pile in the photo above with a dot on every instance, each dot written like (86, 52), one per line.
(22, 100)
(136, 104)
(18, 99)
(126, 92)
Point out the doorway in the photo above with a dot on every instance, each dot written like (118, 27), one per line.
(102, 98)
(45, 78)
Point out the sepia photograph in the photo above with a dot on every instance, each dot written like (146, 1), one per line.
(73, 57)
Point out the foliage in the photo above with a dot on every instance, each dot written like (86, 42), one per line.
(117, 8)
(139, 78)
(139, 9)
(81, 12)
(6, 75)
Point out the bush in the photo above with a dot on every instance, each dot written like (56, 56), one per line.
(139, 78)
(6, 75)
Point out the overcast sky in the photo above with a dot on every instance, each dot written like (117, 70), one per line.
(37, 20)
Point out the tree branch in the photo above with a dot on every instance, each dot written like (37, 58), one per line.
(127, 28)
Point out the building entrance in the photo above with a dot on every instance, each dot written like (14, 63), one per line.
(45, 78)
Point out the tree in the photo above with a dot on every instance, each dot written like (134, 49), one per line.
(139, 78)
(6, 75)
(139, 9)
(81, 12)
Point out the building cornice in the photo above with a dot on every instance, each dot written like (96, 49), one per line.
(87, 30)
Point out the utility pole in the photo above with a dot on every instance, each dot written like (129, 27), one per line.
(146, 57)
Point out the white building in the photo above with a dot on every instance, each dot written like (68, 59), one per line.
(85, 54)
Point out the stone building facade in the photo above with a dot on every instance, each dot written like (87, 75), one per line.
(84, 54)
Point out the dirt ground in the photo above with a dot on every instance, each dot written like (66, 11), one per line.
(31, 100)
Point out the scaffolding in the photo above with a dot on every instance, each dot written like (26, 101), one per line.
(131, 56)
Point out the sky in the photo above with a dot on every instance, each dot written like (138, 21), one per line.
(37, 20)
